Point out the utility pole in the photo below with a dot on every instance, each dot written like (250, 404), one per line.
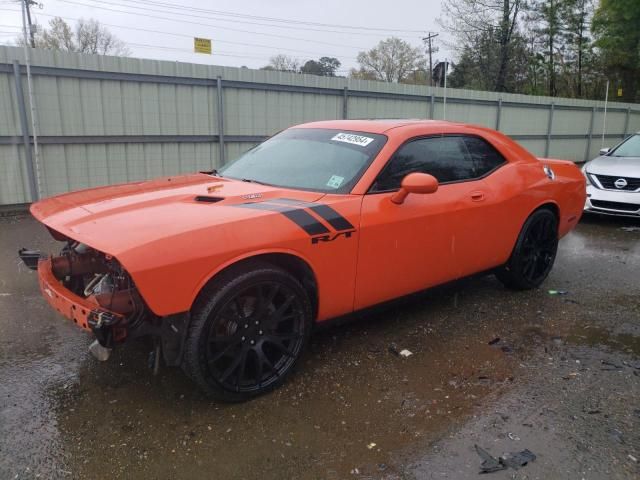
(34, 130)
(28, 3)
(427, 40)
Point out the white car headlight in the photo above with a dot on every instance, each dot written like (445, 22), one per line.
(586, 175)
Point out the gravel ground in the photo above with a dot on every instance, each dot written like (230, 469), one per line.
(563, 381)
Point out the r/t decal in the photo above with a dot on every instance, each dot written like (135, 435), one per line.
(331, 238)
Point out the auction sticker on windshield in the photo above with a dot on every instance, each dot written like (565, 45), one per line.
(335, 181)
(353, 139)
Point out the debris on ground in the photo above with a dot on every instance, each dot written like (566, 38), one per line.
(489, 464)
(497, 342)
(617, 436)
(630, 229)
(558, 292)
(610, 366)
(571, 300)
(518, 459)
(371, 445)
(513, 460)
(406, 353)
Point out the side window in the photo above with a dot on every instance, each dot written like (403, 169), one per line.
(446, 158)
(485, 158)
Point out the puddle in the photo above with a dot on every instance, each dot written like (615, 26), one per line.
(595, 336)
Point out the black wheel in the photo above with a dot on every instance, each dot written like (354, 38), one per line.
(247, 331)
(534, 253)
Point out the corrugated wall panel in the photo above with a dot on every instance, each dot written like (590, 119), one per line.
(485, 115)
(359, 107)
(634, 123)
(567, 149)
(524, 121)
(13, 178)
(566, 122)
(536, 147)
(235, 149)
(9, 119)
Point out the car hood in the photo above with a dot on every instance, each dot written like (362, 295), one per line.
(119, 218)
(615, 166)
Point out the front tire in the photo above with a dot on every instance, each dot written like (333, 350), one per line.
(248, 329)
(534, 254)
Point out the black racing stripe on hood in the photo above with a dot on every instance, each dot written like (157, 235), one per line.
(299, 216)
(332, 217)
(327, 213)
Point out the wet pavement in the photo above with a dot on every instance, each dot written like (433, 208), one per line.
(557, 374)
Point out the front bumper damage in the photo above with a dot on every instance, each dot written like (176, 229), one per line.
(113, 317)
(107, 326)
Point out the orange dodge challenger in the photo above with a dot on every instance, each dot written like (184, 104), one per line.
(229, 270)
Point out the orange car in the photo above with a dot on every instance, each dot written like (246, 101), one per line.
(228, 270)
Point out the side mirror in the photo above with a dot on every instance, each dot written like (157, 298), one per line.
(604, 151)
(415, 183)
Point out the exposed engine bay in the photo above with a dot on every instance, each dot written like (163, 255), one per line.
(100, 280)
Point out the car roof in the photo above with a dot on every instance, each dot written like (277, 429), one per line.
(377, 125)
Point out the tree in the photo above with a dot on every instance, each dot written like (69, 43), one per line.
(615, 26)
(391, 61)
(479, 64)
(548, 27)
(491, 20)
(92, 37)
(283, 63)
(576, 35)
(58, 37)
(324, 66)
(89, 37)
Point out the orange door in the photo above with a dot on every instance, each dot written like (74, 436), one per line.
(431, 238)
(408, 247)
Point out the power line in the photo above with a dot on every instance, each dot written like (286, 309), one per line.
(270, 19)
(214, 26)
(216, 16)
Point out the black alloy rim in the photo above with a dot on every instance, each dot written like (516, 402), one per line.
(255, 337)
(539, 249)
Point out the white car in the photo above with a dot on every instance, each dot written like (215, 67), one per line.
(613, 180)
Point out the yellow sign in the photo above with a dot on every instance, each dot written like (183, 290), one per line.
(619, 92)
(202, 45)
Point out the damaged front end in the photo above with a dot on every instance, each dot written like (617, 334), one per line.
(93, 290)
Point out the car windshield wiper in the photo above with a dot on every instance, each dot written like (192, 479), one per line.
(251, 180)
(213, 173)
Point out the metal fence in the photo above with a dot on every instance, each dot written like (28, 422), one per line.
(103, 120)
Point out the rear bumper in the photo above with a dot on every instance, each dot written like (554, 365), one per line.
(611, 202)
(87, 315)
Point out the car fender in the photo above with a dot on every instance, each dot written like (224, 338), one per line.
(247, 256)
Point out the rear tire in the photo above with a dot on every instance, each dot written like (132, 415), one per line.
(248, 329)
(534, 254)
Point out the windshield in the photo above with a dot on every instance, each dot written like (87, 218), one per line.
(629, 148)
(308, 159)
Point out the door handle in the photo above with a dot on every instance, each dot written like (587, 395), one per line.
(477, 196)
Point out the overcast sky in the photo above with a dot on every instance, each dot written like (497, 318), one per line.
(157, 29)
